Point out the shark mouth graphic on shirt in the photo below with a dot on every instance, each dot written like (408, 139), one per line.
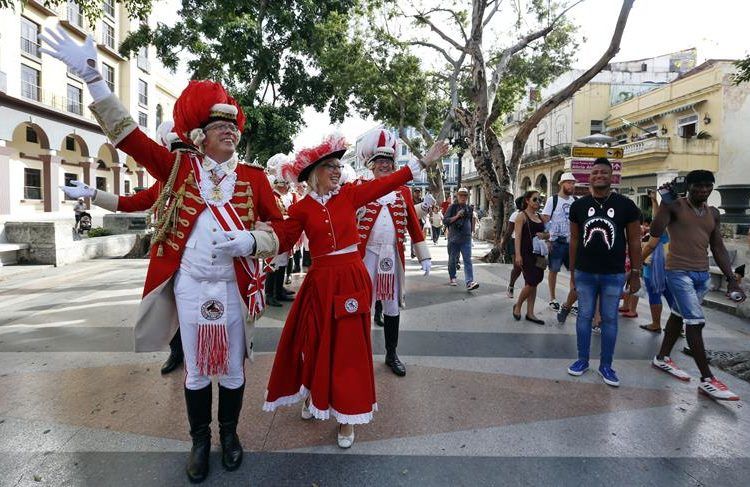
(600, 226)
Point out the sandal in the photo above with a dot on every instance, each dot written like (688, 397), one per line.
(630, 314)
(648, 328)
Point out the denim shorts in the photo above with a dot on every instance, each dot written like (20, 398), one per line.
(688, 290)
(559, 255)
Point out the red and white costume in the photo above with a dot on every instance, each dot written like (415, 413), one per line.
(325, 349)
(186, 278)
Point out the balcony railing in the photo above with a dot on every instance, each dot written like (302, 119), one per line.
(654, 144)
(559, 150)
(30, 47)
(53, 100)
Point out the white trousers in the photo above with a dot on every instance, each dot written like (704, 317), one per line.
(390, 306)
(187, 291)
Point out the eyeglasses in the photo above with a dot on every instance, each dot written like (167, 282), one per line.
(222, 126)
(333, 167)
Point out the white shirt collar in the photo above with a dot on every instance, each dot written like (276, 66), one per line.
(226, 167)
(323, 199)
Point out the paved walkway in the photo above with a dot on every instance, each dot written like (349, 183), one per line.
(486, 400)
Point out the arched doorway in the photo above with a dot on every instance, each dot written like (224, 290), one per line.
(555, 186)
(541, 184)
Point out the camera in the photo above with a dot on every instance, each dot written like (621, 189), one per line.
(677, 187)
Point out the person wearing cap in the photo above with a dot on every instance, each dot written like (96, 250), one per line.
(201, 277)
(141, 201)
(324, 355)
(555, 217)
(459, 220)
(383, 226)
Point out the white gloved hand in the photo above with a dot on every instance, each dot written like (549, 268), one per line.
(426, 266)
(240, 243)
(81, 59)
(429, 202)
(78, 190)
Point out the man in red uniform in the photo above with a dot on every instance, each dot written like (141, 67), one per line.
(382, 231)
(141, 201)
(200, 277)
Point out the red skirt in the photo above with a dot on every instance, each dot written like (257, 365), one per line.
(325, 349)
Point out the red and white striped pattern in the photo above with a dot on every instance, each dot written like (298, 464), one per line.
(228, 219)
(213, 349)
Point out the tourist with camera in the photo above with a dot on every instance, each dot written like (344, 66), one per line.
(693, 227)
(459, 221)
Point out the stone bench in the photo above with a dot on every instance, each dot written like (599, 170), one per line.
(9, 252)
(56, 243)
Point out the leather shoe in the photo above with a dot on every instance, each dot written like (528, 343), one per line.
(173, 361)
(285, 298)
(231, 450)
(396, 365)
(534, 320)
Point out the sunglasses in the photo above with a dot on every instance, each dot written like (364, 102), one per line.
(536, 200)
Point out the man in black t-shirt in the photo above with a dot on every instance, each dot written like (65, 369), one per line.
(602, 225)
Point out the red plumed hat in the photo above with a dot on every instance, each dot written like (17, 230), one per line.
(201, 103)
(333, 147)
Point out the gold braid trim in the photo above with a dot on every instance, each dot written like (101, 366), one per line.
(250, 208)
(165, 212)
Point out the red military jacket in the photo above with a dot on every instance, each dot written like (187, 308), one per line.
(253, 199)
(404, 219)
(141, 201)
(333, 226)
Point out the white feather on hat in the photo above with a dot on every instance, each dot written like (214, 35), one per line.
(377, 143)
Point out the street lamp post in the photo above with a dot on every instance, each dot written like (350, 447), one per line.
(458, 140)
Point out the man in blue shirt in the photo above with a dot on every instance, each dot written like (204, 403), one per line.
(459, 220)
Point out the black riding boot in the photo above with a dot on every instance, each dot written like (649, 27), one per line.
(199, 416)
(297, 258)
(391, 342)
(230, 404)
(271, 290)
(278, 284)
(306, 258)
(378, 315)
(175, 354)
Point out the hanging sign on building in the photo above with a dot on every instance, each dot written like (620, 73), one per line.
(594, 152)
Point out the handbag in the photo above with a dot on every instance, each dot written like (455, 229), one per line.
(540, 261)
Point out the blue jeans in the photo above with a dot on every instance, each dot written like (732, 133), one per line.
(559, 255)
(607, 288)
(688, 290)
(464, 248)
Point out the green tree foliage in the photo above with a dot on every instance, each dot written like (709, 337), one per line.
(266, 53)
(743, 71)
(91, 9)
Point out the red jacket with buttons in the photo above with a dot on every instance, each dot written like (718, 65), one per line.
(253, 199)
(141, 201)
(333, 226)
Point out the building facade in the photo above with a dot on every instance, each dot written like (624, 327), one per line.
(547, 151)
(699, 121)
(48, 137)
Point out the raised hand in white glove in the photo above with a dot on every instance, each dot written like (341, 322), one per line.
(78, 190)
(81, 59)
(426, 266)
(429, 202)
(240, 243)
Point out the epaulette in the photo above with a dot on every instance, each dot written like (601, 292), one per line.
(254, 165)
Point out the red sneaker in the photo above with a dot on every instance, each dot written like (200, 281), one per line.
(716, 389)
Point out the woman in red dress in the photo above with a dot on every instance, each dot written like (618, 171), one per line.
(324, 355)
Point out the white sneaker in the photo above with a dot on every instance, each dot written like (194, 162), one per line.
(554, 305)
(453, 282)
(471, 285)
(344, 441)
(306, 414)
(668, 366)
(716, 389)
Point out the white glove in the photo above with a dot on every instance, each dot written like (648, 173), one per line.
(81, 59)
(429, 202)
(240, 243)
(78, 190)
(426, 266)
